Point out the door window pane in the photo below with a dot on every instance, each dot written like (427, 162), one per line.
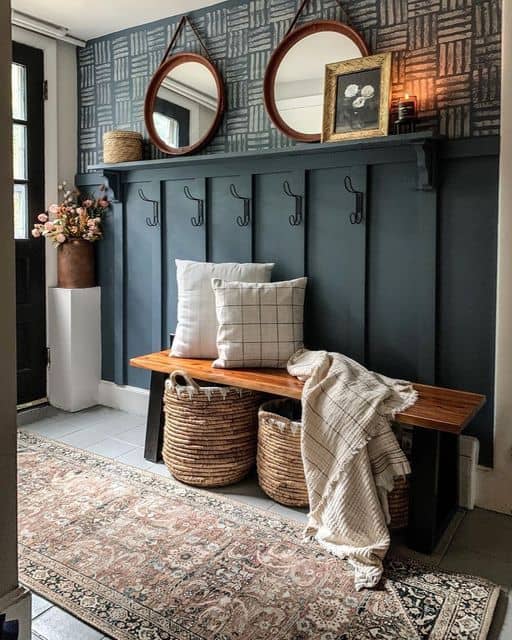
(19, 155)
(19, 92)
(20, 211)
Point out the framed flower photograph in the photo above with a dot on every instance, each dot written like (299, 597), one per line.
(357, 98)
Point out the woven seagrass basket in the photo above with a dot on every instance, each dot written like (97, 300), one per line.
(210, 433)
(122, 146)
(280, 467)
(279, 459)
(398, 501)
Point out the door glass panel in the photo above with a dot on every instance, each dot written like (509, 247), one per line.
(27, 126)
(19, 92)
(19, 142)
(20, 211)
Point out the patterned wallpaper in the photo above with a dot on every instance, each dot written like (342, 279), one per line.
(447, 52)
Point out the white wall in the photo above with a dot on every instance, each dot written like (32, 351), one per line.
(495, 486)
(67, 110)
(64, 161)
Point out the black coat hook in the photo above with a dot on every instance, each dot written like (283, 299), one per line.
(155, 221)
(296, 218)
(199, 221)
(242, 222)
(357, 216)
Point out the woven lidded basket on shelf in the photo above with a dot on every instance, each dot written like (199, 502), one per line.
(209, 432)
(122, 146)
(279, 459)
(280, 467)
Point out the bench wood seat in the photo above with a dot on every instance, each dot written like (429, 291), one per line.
(437, 408)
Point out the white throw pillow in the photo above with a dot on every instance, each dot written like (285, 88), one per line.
(196, 331)
(260, 325)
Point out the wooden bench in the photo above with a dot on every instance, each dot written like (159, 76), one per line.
(438, 417)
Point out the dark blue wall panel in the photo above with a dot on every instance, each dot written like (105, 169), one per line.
(467, 284)
(227, 240)
(182, 239)
(395, 301)
(106, 280)
(336, 262)
(142, 280)
(275, 239)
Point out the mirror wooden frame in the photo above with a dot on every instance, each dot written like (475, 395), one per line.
(163, 70)
(277, 57)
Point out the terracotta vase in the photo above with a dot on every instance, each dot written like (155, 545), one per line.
(75, 265)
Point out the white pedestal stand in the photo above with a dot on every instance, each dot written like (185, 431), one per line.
(75, 347)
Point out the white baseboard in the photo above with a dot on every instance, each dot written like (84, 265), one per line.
(493, 491)
(17, 605)
(129, 399)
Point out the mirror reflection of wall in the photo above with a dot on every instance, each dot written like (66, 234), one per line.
(186, 105)
(299, 83)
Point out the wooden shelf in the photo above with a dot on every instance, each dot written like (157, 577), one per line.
(440, 409)
(418, 138)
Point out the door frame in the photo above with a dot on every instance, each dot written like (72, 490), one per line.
(50, 49)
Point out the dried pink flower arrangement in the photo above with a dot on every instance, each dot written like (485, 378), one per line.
(75, 218)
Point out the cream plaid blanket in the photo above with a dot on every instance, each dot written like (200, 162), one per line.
(351, 456)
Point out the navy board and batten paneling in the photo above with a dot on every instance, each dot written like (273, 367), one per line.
(410, 291)
(277, 196)
(468, 225)
(184, 232)
(336, 261)
(142, 276)
(230, 218)
(110, 261)
(396, 296)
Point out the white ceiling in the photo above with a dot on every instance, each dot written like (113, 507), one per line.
(88, 19)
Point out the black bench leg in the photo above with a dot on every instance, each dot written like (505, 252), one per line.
(155, 419)
(434, 487)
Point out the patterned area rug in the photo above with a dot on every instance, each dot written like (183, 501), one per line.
(140, 556)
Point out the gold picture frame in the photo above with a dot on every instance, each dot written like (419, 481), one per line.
(362, 111)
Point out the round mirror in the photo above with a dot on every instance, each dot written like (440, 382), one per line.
(294, 79)
(184, 104)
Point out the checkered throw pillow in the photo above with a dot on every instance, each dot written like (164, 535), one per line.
(260, 324)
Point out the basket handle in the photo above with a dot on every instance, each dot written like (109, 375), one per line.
(186, 377)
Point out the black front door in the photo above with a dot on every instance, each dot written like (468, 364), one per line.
(28, 169)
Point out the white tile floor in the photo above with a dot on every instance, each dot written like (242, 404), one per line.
(481, 543)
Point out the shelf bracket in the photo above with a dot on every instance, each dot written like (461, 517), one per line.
(426, 165)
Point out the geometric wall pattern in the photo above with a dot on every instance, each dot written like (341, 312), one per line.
(446, 52)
